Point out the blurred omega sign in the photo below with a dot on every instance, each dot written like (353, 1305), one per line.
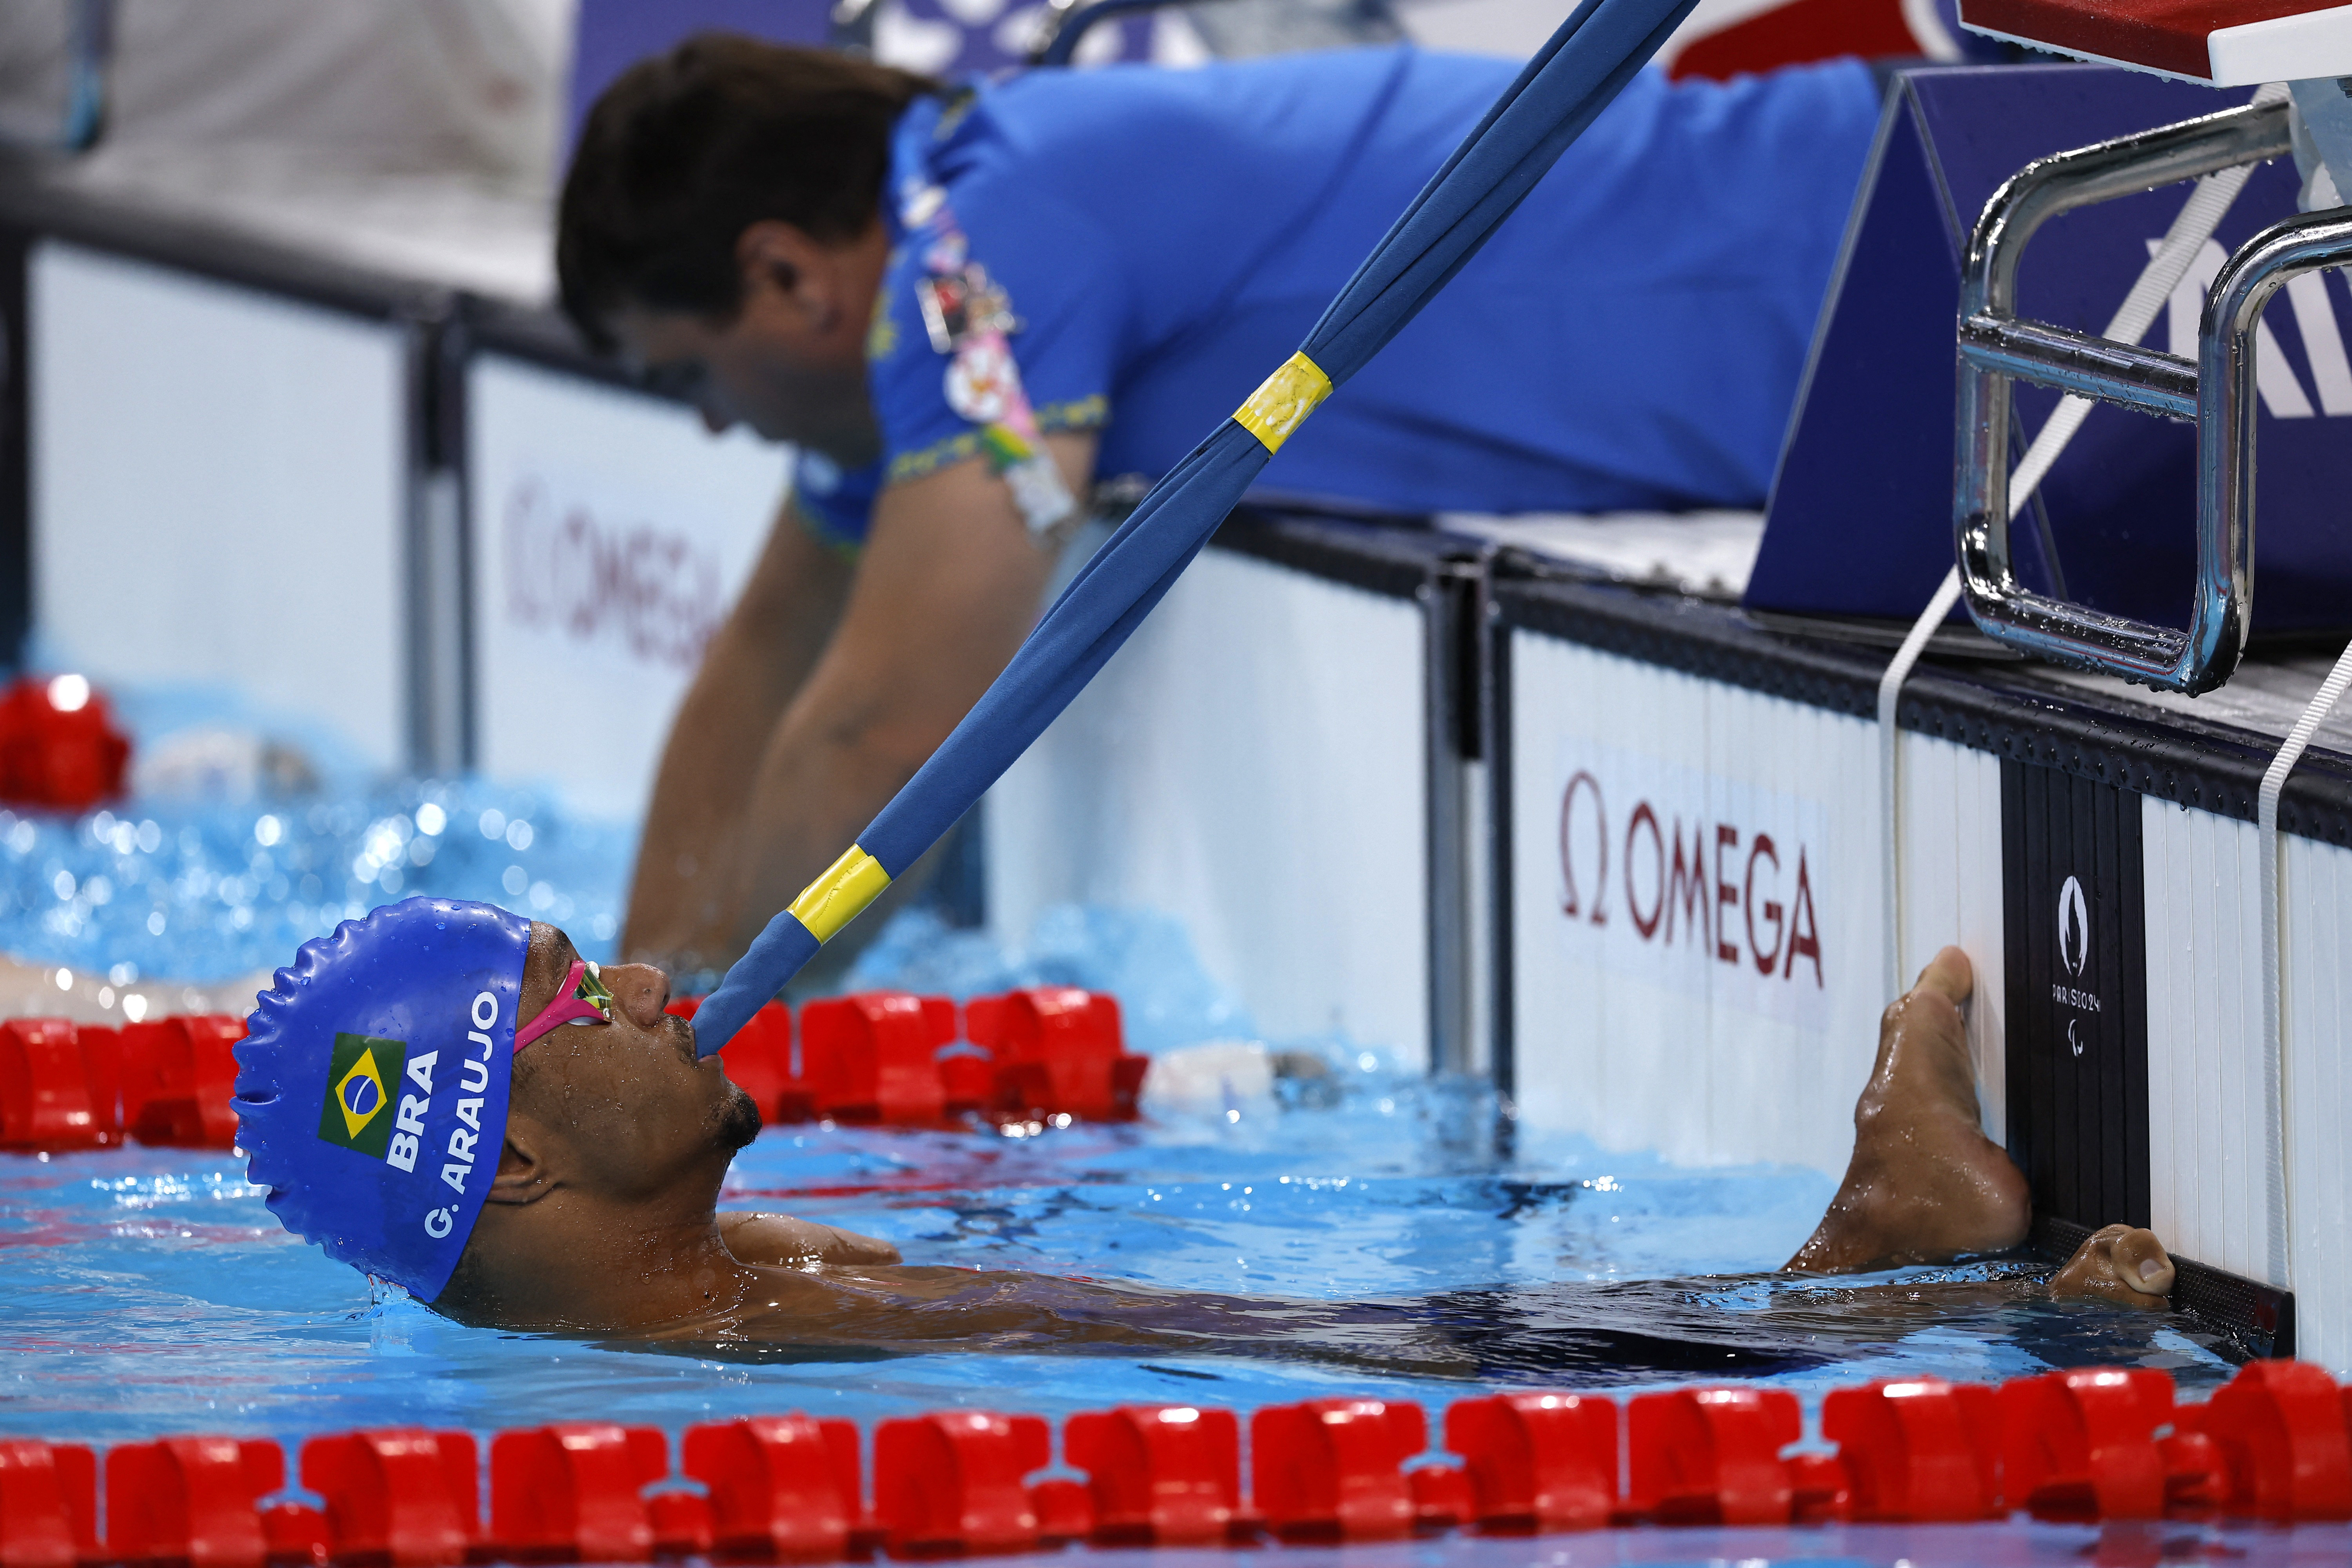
(1696, 882)
(653, 594)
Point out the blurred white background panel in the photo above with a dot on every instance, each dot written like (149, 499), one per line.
(217, 490)
(1253, 763)
(610, 534)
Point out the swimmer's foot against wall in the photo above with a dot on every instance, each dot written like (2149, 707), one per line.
(1926, 1185)
(605, 1140)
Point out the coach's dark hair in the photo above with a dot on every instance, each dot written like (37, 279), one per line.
(686, 150)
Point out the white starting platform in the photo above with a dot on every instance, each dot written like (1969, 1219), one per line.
(2220, 43)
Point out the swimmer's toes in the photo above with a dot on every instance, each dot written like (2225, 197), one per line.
(2121, 1264)
(2142, 1263)
(1949, 974)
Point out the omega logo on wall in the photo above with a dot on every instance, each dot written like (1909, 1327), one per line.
(1696, 882)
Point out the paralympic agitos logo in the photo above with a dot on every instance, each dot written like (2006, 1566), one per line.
(1673, 875)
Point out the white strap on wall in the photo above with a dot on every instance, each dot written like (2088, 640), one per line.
(2199, 216)
(2274, 1034)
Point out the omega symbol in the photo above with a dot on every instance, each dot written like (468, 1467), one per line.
(2073, 928)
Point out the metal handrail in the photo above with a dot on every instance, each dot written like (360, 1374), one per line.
(2218, 393)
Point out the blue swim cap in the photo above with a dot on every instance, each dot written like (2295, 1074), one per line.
(372, 1081)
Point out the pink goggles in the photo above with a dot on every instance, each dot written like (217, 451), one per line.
(582, 999)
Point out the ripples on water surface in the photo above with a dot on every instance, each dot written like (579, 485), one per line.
(147, 1291)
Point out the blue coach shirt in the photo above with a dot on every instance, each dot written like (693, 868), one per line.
(1632, 338)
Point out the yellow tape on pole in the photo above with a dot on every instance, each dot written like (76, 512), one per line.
(836, 899)
(1282, 404)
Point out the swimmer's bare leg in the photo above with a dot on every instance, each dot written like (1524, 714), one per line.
(1925, 1185)
(2121, 1264)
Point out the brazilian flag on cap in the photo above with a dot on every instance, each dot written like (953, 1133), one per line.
(362, 1076)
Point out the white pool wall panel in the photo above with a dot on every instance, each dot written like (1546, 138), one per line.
(2211, 1137)
(1253, 763)
(217, 491)
(609, 533)
(2317, 888)
(1952, 895)
(1640, 1043)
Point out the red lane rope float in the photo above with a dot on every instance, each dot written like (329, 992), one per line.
(59, 746)
(779, 1486)
(894, 1059)
(1166, 1475)
(166, 1083)
(577, 1488)
(2095, 1445)
(887, 1058)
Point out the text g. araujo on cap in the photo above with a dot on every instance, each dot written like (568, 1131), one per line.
(373, 1084)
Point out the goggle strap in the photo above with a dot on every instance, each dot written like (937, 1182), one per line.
(575, 1002)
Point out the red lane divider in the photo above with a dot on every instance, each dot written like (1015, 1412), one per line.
(177, 1079)
(780, 1484)
(899, 1059)
(2273, 1445)
(1334, 1469)
(49, 1504)
(874, 1056)
(1919, 1450)
(1537, 1461)
(1712, 1455)
(58, 744)
(1059, 1051)
(952, 1481)
(2280, 1426)
(2083, 1444)
(408, 1496)
(192, 1499)
(575, 1491)
(1161, 1475)
(884, 1056)
(53, 1093)
(167, 1082)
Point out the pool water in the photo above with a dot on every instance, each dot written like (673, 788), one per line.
(149, 1291)
(202, 891)
(144, 1291)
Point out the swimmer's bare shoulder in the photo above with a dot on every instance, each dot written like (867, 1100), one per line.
(779, 1241)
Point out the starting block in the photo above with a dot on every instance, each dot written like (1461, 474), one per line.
(2221, 385)
(2114, 527)
(2221, 43)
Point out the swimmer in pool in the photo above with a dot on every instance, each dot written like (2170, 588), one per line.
(591, 1151)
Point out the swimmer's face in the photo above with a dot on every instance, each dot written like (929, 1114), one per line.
(635, 1107)
(791, 362)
